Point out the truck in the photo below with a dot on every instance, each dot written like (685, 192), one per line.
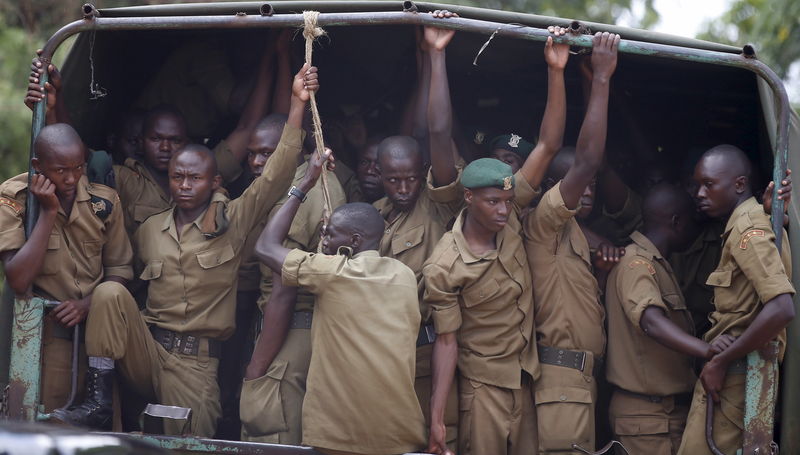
(679, 94)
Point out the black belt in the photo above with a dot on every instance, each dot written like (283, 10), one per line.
(183, 343)
(427, 335)
(681, 399)
(301, 320)
(569, 359)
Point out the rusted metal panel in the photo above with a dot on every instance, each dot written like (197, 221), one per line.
(761, 393)
(26, 359)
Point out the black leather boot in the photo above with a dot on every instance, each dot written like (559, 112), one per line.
(96, 411)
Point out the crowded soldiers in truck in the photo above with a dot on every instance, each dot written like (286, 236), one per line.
(429, 300)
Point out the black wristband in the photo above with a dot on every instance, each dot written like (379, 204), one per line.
(298, 193)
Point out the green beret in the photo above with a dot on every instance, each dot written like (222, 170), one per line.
(512, 143)
(487, 172)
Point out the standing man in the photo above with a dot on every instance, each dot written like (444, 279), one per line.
(651, 347)
(78, 242)
(365, 322)
(569, 313)
(478, 286)
(170, 351)
(752, 296)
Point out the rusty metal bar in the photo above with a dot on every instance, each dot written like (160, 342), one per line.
(26, 359)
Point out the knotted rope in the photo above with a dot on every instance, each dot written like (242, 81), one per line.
(311, 31)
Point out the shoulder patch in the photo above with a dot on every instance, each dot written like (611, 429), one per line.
(641, 262)
(12, 204)
(749, 235)
(101, 207)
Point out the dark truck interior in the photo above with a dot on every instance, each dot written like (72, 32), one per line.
(663, 113)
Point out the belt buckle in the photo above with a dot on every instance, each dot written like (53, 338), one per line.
(189, 345)
(168, 340)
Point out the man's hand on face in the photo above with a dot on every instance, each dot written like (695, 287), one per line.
(45, 192)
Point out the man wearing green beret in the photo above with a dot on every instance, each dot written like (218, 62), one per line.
(569, 313)
(511, 149)
(478, 287)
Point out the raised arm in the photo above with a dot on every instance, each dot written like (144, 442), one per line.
(256, 106)
(283, 85)
(592, 138)
(56, 109)
(440, 112)
(269, 246)
(551, 132)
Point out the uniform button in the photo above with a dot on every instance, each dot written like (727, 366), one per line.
(563, 398)
(388, 231)
(408, 243)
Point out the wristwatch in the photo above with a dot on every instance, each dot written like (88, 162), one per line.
(298, 193)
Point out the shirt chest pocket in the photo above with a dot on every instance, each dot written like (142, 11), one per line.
(408, 240)
(52, 264)
(152, 270)
(218, 268)
(720, 281)
(481, 292)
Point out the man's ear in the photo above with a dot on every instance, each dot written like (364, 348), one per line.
(355, 241)
(468, 196)
(216, 182)
(740, 184)
(36, 165)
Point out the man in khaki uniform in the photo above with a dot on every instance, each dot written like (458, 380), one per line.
(479, 291)
(78, 242)
(360, 393)
(275, 381)
(569, 314)
(651, 347)
(191, 263)
(752, 296)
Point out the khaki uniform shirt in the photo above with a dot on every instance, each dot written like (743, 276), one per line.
(192, 279)
(304, 233)
(692, 267)
(637, 362)
(360, 390)
(569, 313)
(349, 182)
(750, 272)
(487, 301)
(83, 248)
(412, 235)
(141, 196)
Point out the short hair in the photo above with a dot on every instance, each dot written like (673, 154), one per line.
(201, 150)
(164, 110)
(362, 218)
(736, 160)
(399, 147)
(55, 135)
(663, 201)
(274, 120)
(561, 163)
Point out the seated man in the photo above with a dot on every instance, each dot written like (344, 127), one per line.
(360, 391)
(752, 297)
(169, 352)
(78, 242)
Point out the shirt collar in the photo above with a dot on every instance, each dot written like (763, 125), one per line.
(463, 247)
(645, 244)
(741, 209)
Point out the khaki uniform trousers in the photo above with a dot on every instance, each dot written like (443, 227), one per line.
(57, 367)
(646, 427)
(495, 420)
(728, 418)
(423, 383)
(271, 407)
(565, 401)
(116, 329)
